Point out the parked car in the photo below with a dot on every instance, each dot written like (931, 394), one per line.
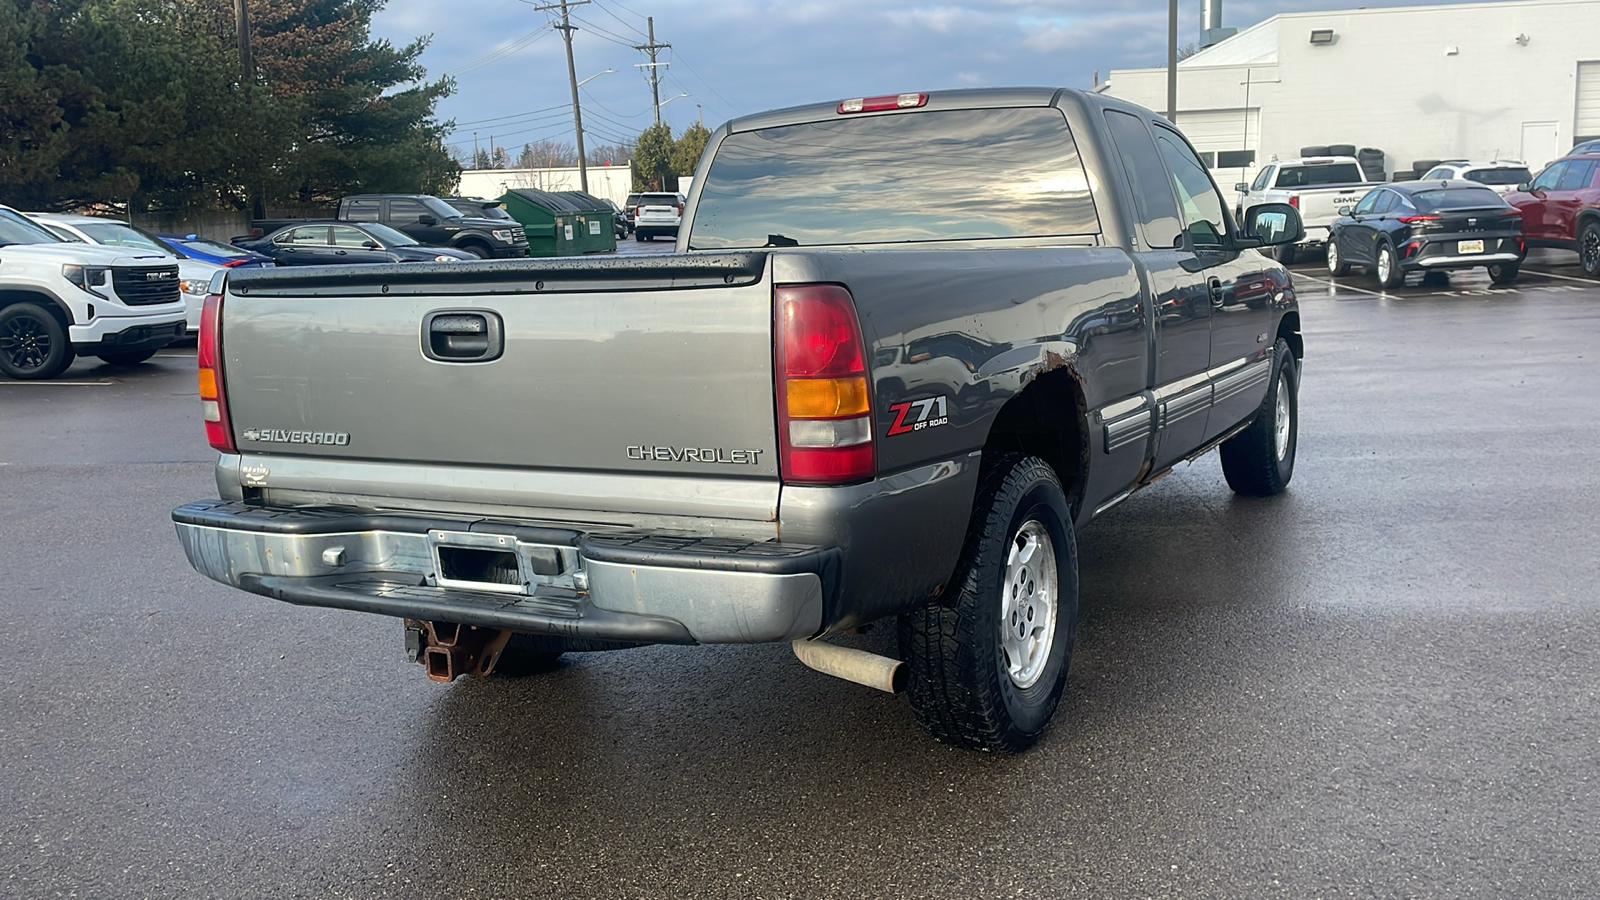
(656, 215)
(343, 243)
(629, 207)
(1585, 147)
(1419, 226)
(479, 208)
(847, 411)
(215, 252)
(194, 275)
(619, 222)
(1316, 186)
(1500, 176)
(428, 221)
(1561, 207)
(63, 299)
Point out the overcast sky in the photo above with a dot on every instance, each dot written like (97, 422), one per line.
(740, 56)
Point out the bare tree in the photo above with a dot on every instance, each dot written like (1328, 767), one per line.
(547, 154)
(610, 155)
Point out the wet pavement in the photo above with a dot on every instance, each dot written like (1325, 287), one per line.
(1383, 683)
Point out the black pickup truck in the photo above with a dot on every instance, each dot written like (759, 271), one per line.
(427, 220)
(906, 346)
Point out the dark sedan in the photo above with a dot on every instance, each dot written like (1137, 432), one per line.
(343, 243)
(1421, 226)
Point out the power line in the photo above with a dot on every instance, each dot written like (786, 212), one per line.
(510, 49)
(732, 110)
(513, 115)
(625, 23)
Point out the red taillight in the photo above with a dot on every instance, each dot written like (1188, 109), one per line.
(680, 209)
(824, 409)
(208, 356)
(878, 104)
(1294, 200)
(1410, 219)
(228, 264)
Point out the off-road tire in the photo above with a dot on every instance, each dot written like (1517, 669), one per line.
(1337, 267)
(1392, 277)
(33, 343)
(959, 688)
(1504, 273)
(131, 358)
(1589, 248)
(1252, 460)
(530, 654)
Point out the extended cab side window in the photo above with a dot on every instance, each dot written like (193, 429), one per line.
(362, 210)
(1152, 193)
(1548, 178)
(1197, 196)
(1260, 184)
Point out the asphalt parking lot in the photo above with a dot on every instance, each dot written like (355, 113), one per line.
(1383, 683)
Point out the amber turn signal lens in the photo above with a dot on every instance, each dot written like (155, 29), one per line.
(826, 398)
(208, 384)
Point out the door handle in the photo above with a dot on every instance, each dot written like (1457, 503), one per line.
(1214, 286)
(462, 335)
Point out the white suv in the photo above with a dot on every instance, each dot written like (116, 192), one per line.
(657, 214)
(194, 275)
(1501, 176)
(60, 300)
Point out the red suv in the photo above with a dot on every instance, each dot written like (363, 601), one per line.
(1561, 208)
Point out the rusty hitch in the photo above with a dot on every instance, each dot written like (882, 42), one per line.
(448, 650)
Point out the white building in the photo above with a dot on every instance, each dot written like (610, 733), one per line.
(1507, 80)
(612, 183)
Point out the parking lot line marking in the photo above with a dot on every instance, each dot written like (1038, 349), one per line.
(1335, 284)
(57, 383)
(1554, 275)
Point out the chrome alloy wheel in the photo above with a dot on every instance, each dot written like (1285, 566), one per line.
(1028, 606)
(1333, 256)
(1385, 265)
(1280, 435)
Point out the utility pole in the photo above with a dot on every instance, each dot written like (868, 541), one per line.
(655, 76)
(247, 63)
(1172, 61)
(567, 28)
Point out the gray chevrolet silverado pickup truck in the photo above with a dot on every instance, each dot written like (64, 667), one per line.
(906, 346)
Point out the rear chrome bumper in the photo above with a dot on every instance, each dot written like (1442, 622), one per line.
(1468, 261)
(612, 585)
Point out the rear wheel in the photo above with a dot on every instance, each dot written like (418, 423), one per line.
(640, 236)
(1589, 247)
(132, 358)
(477, 250)
(1336, 264)
(989, 660)
(1259, 461)
(1503, 273)
(33, 343)
(1387, 269)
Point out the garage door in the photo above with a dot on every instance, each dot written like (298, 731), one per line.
(1588, 125)
(1218, 135)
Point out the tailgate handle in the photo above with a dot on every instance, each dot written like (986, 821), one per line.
(462, 335)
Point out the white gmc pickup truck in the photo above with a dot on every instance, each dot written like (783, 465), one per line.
(1317, 186)
(61, 300)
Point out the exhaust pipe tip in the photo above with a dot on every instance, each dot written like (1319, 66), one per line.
(858, 666)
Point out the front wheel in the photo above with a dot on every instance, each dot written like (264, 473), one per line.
(989, 659)
(1503, 273)
(132, 358)
(1259, 461)
(1336, 264)
(1589, 248)
(33, 343)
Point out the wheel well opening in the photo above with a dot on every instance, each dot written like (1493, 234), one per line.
(1047, 420)
(10, 297)
(1289, 330)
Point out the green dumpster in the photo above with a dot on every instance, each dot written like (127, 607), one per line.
(550, 222)
(596, 231)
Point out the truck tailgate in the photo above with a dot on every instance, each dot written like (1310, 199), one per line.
(654, 366)
(1320, 206)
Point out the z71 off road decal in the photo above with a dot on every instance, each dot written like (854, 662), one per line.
(915, 415)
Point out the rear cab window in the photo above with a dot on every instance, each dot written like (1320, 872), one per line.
(1316, 174)
(938, 175)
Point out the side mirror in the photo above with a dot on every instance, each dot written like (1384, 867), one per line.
(1523, 187)
(1343, 210)
(1242, 187)
(426, 219)
(371, 245)
(1273, 224)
